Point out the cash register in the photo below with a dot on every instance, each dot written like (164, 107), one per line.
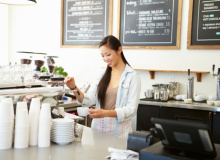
(181, 140)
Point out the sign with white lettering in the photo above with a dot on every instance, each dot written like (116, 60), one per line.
(85, 23)
(204, 24)
(150, 24)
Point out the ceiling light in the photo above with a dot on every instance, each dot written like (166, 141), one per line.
(18, 2)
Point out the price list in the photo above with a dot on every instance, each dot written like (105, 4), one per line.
(149, 22)
(208, 24)
(85, 22)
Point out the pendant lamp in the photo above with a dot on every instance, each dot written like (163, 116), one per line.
(18, 2)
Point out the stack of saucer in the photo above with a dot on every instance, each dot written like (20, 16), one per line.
(62, 131)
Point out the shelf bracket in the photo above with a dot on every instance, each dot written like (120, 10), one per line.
(199, 77)
(151, 74)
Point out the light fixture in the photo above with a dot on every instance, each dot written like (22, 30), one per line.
(18, 2)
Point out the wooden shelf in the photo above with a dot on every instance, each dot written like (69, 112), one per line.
(152, 73)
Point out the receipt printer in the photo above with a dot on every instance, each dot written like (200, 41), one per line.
(140, 139)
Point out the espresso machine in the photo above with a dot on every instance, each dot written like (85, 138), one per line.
(218, 81)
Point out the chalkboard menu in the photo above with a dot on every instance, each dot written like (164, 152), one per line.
(204, 24)
(150, 24)
(85, 23)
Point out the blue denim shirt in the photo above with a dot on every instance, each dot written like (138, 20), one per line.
(127, 101)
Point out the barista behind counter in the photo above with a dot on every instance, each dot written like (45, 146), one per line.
(116, 92)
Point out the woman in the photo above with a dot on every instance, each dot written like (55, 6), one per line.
(116, 92)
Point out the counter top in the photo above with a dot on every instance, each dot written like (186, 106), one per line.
(39, 90)
(94, 146)
(181, 104)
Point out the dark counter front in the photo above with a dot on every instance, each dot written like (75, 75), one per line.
(158, 152)
(195, 112)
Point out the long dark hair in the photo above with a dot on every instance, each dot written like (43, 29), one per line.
(114, 44)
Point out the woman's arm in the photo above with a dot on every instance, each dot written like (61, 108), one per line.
(100, 113)
(89, 98)
(70, 82)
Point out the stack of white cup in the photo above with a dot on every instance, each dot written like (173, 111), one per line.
(9, 100)
(44, 126)
(34, 112)
(21, 126)
(6, 125)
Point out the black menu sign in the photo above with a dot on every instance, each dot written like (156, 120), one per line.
(206, 22)
(85, 22)
(149, 22)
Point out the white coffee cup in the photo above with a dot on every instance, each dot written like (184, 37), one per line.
(210, 102)
(83, 111)
(217, 103)
(178, 97)
(61, 111)
(199, 98)
(211, 98)
(188, 101)
(183, 96)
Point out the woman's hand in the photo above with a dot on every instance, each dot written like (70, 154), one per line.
(96, 113)
(70, 82)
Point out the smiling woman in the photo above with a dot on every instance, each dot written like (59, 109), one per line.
(116, 92)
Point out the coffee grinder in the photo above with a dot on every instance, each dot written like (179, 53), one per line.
(25, 59)
(39, 61)
(51, 63)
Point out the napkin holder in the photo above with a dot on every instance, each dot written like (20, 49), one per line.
(140, 139)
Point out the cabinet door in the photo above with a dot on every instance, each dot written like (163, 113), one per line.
(144, 115)
(189, 115)
(216, 127)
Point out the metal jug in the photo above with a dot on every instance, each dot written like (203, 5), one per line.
(157, 94)
(170, 93)
(163, 95)
(149, 93)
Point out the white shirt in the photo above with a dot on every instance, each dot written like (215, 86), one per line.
(127, 101)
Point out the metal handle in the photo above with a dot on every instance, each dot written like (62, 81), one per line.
(188, 72)
(213, 68)
(70, 95)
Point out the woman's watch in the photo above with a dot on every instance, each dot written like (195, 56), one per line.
(74, 88)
